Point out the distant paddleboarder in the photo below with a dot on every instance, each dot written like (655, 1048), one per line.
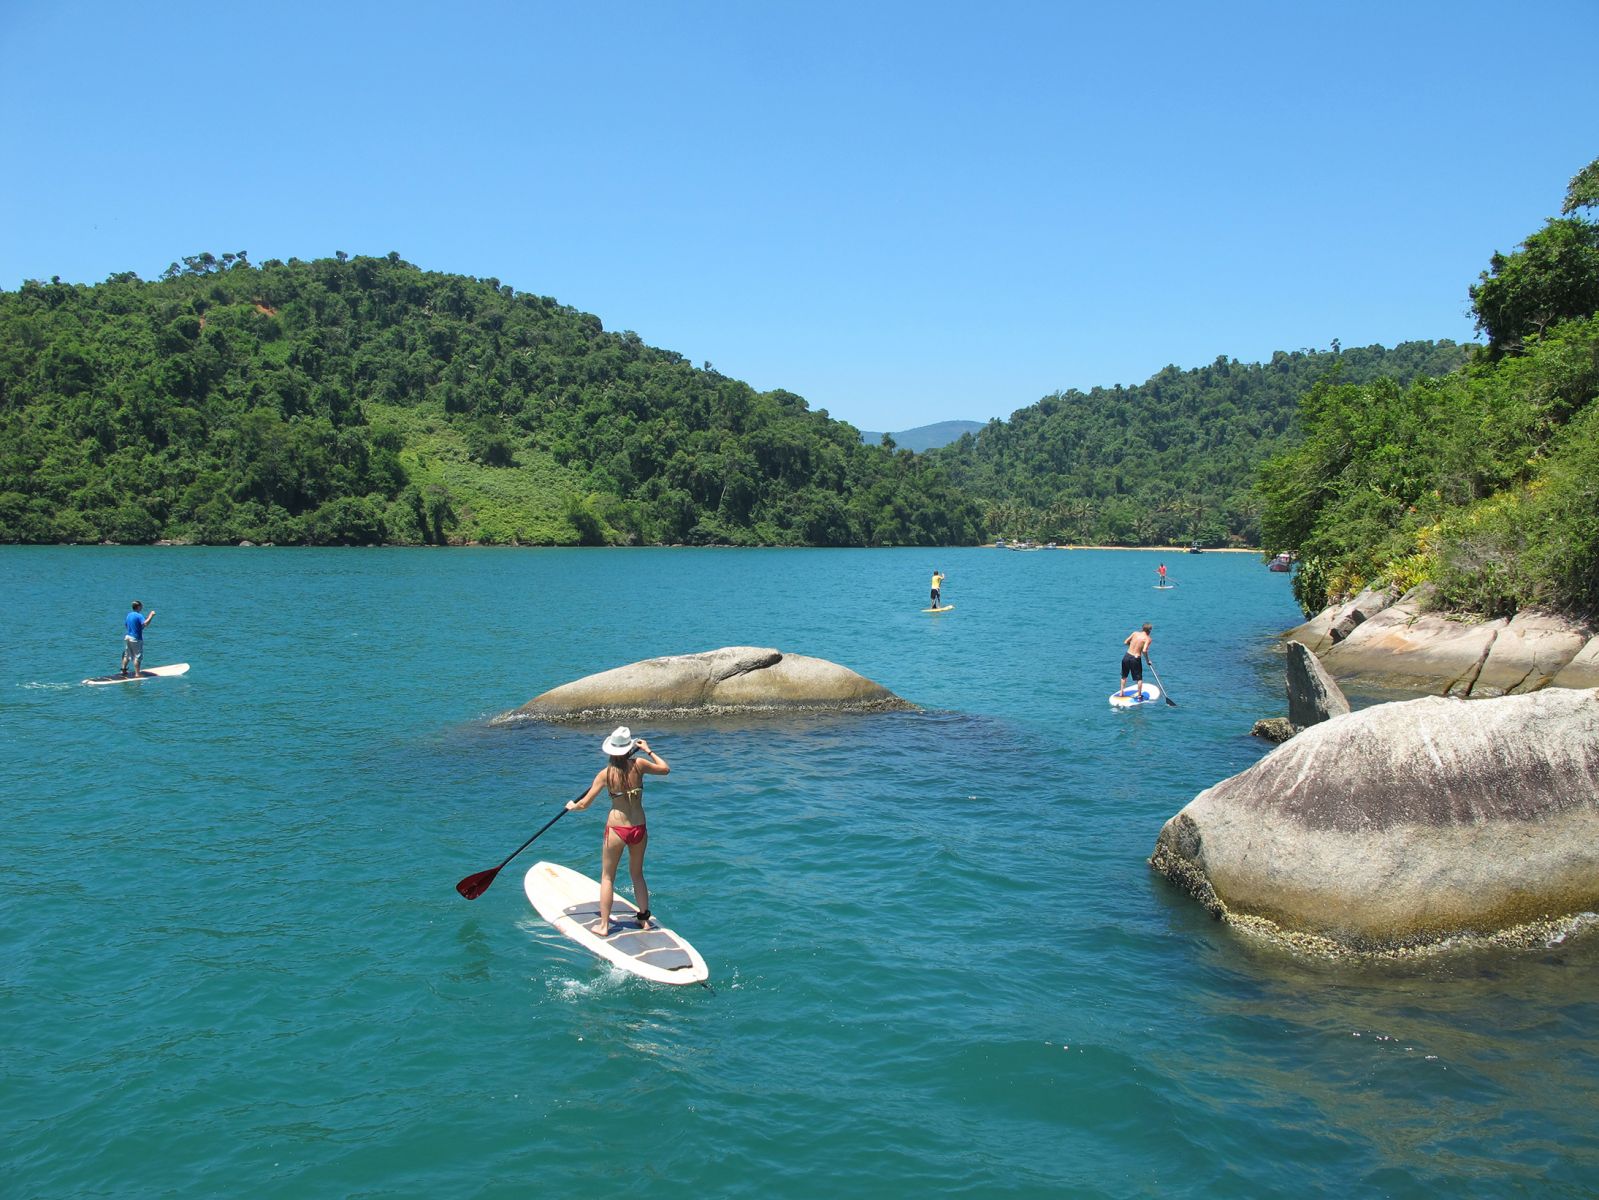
(938, 583)
(133, 636)
(1161, 570)
(1137, 643)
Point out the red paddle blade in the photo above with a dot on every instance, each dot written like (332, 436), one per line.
(474, 886)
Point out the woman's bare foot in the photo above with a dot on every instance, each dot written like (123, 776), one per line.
(601, 928)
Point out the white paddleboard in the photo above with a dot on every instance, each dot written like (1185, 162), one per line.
(146, 673)
(945, 608)
(1164, 587)
(1133, 695)
(570, 901)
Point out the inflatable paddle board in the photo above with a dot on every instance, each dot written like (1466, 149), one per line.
(1133, 695)
(145, 673)
(570, 901)
(944, 608)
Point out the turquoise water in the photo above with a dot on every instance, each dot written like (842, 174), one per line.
(232, 960)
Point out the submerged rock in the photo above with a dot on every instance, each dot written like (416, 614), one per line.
(1273, 729)
(732, 679)
(1405, 824)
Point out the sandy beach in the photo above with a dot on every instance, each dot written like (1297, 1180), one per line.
(1144, 549)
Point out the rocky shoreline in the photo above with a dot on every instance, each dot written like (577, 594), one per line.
(1463, 816)
(1384, 643)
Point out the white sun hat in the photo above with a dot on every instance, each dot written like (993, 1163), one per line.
(620, 743)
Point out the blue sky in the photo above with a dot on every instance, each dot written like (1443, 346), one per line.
(904, 212)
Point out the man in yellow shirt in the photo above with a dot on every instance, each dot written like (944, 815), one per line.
(938, 582)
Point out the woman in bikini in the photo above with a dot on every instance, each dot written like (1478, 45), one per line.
(622, 778)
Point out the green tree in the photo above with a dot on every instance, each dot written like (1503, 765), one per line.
(1583, 190)
(1554, 277)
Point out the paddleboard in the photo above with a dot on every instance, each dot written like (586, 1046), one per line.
(1130, 697)
(146, 673)
(1164, 587)
(570, 901)
(945, 608)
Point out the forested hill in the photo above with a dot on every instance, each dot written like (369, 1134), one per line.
(1171, 460)
(359, 400)
(362, 400)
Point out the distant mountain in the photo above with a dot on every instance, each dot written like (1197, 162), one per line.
(926, 437)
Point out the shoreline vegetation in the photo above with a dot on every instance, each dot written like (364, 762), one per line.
(350, 401)
(168, 544)
(1477, 484)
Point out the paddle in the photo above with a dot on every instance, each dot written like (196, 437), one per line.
(1156, 674)
(474, 886)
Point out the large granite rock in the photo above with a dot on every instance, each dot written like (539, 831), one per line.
(1361, 609)
(1407, 649)
(734, 678)
(1315, 633)
(1529, 653)
(1313, 697)
(1336, 622)
(1405, 824)
(1583, 670)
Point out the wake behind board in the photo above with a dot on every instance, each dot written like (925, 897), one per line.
(570, 901)
(944, 608)
(146, 673)
(1133, 696)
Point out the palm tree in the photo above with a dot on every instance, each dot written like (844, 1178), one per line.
(1002, 518)
(1084, 511)
(1143, 527)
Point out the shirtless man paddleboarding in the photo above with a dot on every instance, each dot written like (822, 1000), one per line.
(1137, 643)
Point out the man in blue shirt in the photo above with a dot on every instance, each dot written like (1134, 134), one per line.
(133, 639)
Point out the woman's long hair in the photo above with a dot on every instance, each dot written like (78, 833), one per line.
(618, 764)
